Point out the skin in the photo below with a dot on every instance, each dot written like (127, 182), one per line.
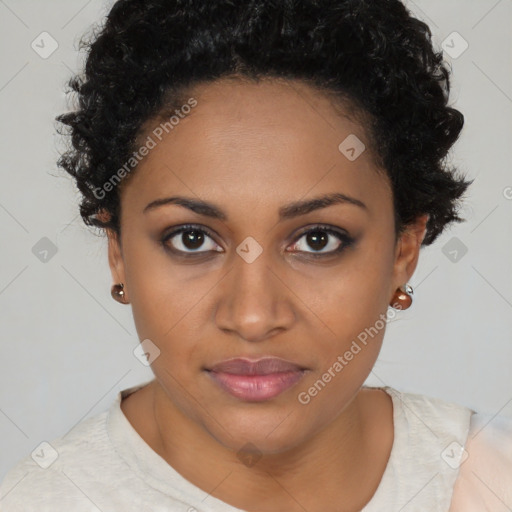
(251, 149)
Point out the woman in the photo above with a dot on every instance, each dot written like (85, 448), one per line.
(266, 174)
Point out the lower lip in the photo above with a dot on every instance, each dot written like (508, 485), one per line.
(256, 388)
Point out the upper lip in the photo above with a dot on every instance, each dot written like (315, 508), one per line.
(263, 366)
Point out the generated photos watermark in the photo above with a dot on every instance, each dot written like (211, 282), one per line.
(149, 144)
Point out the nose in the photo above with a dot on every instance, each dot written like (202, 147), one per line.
(254, 302)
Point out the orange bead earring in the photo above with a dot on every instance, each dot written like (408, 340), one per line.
(117, 292)
(402, 299)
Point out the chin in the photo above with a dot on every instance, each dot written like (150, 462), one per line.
(268, 431)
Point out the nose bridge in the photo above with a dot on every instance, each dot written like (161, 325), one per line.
(253, 289)
(251, 277)
(254, 302)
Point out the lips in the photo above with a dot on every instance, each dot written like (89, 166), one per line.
(264, 366)
(256, 381)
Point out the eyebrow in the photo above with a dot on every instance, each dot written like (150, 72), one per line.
(286, 212)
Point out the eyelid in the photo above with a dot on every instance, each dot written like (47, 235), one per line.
(323, 227)
(185, 227)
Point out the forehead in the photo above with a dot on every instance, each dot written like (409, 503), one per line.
(272, 142)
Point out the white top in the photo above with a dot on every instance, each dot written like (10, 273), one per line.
(103, 465)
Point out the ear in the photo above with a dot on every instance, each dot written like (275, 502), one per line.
(408, 251)
(115, 258)
(115, 253)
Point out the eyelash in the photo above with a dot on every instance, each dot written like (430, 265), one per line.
(346, 240)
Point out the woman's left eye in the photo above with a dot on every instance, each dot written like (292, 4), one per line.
(320, 238)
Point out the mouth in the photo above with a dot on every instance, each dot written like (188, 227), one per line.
(258, 380)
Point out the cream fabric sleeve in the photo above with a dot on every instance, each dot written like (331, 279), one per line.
(484, 483)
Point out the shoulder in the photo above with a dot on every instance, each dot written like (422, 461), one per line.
(469, 452)
(46, 476)
(484, 483)
(423, 416)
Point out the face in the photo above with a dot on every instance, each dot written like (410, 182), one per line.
(253, 274)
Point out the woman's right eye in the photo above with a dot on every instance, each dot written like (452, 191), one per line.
(189, 240)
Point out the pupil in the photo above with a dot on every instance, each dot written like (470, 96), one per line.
(192, 239)
(318, 238)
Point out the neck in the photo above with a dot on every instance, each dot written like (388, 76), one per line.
(345, 459)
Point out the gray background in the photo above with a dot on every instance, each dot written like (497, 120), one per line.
(67, 347)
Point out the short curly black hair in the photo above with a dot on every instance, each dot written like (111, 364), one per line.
(148, 53)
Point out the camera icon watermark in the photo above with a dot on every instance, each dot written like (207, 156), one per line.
(44, 45)
(352, 147)
(146, 352)
(44, 455)
(249, 455)
(454, 249)
(249, 249)
(44, 250)
(507, 193)
(454, 455)
(454, 45)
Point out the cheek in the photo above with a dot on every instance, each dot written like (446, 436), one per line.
(170, 308)
(351, 296)
(346, 352)
(349, 320)
(159, 293)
